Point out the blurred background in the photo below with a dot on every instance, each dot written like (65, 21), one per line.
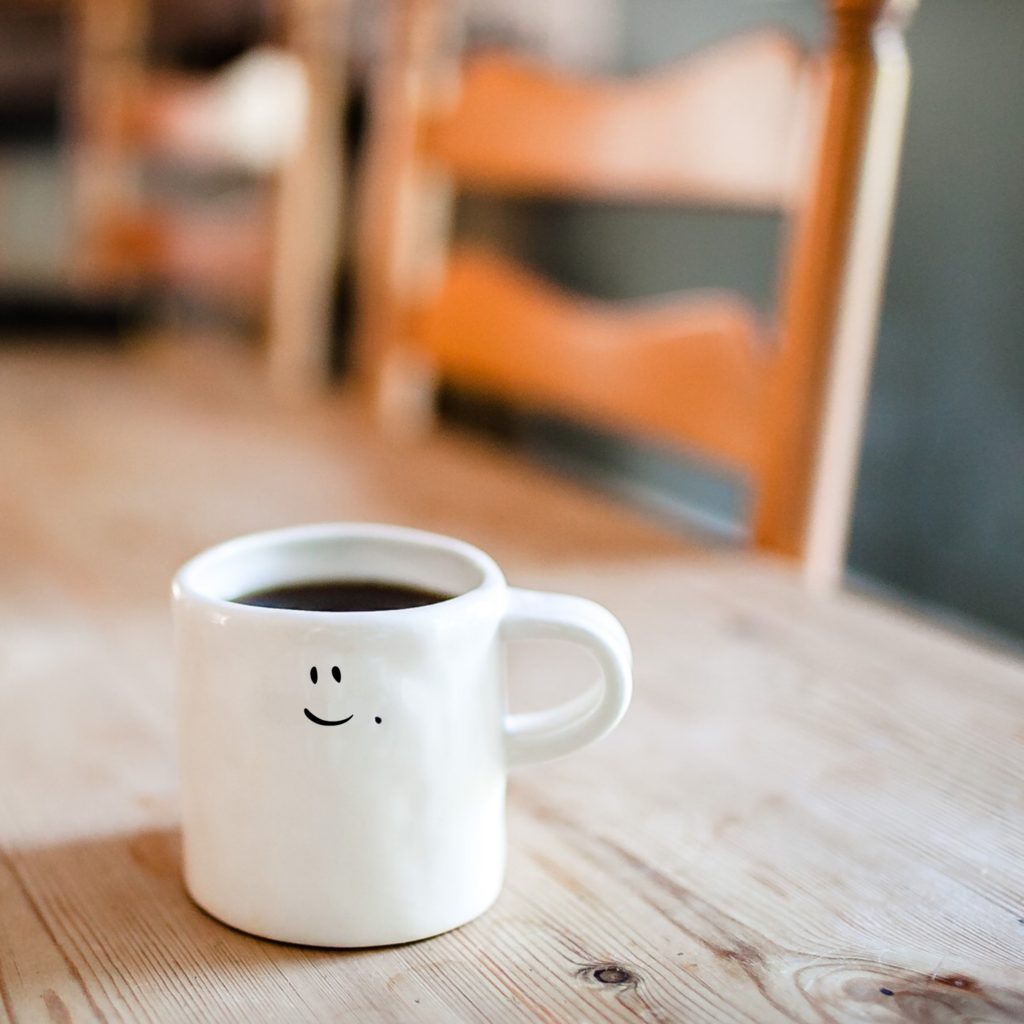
(153, 178)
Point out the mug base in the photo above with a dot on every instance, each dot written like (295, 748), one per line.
(301, 937)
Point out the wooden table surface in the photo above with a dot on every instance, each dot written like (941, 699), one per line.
(814, 810)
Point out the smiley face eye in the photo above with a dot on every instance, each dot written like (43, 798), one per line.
(336, 672)
(312, 673)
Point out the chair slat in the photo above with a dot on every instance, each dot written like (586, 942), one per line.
(727, 127)
(686, 369)
(224, 256)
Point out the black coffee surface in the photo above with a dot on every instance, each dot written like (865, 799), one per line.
(343, 596)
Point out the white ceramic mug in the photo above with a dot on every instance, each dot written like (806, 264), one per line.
(390, 826)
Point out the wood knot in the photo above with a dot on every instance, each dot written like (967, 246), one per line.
(741, 953)
(957, 981)
(612, 975)
(609, 974)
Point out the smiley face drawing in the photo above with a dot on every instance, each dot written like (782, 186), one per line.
(314, 677)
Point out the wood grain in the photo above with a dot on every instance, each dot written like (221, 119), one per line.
(813, 812)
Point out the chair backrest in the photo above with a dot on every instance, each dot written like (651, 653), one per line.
(754, 122)
(273, 114)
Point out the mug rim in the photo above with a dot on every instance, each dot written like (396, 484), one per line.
(184, 585)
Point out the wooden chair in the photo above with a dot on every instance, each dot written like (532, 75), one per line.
(752, 123)
(276, 254)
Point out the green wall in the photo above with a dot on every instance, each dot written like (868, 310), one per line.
(940, 505)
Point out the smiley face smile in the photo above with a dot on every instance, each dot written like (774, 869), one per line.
(323, 721)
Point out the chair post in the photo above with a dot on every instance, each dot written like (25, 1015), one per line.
(308, 207)
(398, 385)
(109, 42)
(832, 291)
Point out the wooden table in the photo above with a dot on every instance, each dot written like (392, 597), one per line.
(813, 812)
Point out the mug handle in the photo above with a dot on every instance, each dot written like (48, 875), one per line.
(541, 735)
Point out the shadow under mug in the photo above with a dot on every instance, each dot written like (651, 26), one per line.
(390, 827)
